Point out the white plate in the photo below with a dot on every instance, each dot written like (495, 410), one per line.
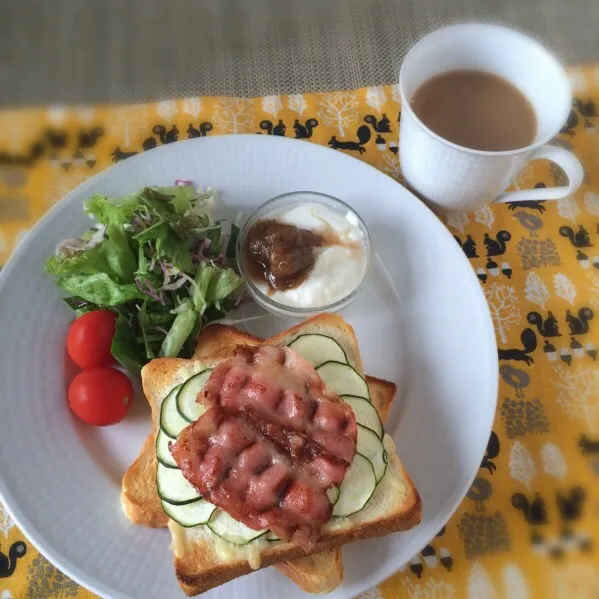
(423, 322)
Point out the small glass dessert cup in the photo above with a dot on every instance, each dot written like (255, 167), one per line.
(276, 302)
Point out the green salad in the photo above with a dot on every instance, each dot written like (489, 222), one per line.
(157, 259)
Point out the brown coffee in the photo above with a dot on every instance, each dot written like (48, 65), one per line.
(476, 110)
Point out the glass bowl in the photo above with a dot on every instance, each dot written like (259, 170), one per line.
(283, 203)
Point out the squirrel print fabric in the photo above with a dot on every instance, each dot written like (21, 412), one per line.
(528, 526)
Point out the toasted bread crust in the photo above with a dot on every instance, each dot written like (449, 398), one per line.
(318, 573)
(139, 498)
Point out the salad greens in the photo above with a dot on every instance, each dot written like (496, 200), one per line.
(159, 261)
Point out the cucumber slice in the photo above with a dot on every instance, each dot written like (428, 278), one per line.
(357, 487)
(333, 494)
(366, 414)
(228, 529)
(187, 406)
(371, 447)
(163, 453)
(173, 487)
(191, 514)
(318, 349)
(343, 379)
(271, 536)
(171, 421)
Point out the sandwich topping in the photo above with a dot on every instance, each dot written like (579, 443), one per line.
(272, 441)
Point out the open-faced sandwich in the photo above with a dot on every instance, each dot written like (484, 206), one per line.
(268, 452)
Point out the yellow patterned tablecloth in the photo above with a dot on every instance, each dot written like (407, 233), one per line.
(529, 526)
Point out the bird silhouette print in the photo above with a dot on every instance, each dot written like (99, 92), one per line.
(530, 222)
(480, 490)
(515, 378)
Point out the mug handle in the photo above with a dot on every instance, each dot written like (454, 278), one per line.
(568, 162)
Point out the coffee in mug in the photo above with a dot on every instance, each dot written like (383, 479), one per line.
(476, 110)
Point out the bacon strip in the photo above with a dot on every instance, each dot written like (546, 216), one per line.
(271, 443)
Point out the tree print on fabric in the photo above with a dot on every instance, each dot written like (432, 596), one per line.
(564, 288)
(167, 110)
(536, 290)
(192, 107)
(233, 115)
(480, 583)
(428, 589)
(376, 98)
(272, 105)
(338, 109)
(578, 394)
(458, 220)
(6, 522)
(503, 304)
(522, 466)
(568, 208)
(485, 216)
(553, 460)
(297, 103)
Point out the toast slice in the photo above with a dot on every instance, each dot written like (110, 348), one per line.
(202, 560)
(318, 573)
(321, 572)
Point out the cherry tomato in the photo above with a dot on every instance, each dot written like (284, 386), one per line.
(90, 337)
(100, 396)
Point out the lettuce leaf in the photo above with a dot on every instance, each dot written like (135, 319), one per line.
(112, 211)
(99, 289)
(179, 332)
(125, 349)
(88, 262)
(213, 284)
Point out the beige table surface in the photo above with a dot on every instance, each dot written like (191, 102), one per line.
(73, 51)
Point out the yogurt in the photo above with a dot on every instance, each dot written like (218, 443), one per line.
(339, 265)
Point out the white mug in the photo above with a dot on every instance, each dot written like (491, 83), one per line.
(452, 177)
